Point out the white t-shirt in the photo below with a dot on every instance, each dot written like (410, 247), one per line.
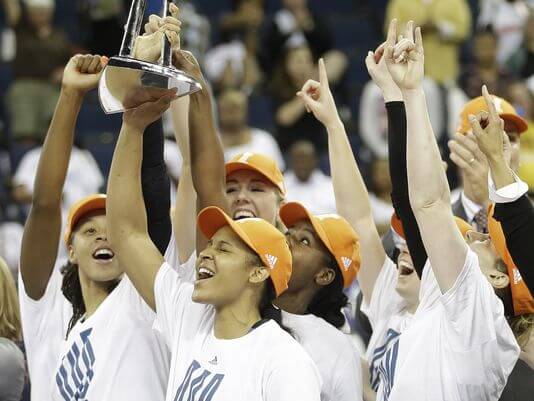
(261, 142)
(335, 356)
(112, 355)
(317, 194)
(458, 346)
(265, 364)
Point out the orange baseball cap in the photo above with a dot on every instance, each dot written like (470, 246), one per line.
(335, 233)
(80, 209)
(506, 111)
(259, 163)
(263, 238)
(463, 226)
(521, 297)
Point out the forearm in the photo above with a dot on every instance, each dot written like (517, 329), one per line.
(156, 186)
(207, 157)
(423, 157)
(55, 155)
(184, 217)
(290, 112)
(397, 139)
(500, 172)
(352, 203)
(517, 221)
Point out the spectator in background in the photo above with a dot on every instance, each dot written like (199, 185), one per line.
(105, 23)
(485, 69)
(83, 177)
(12, 364)
(306, 183)
(42, 51)
(521, 62)
(507, 17)
(233, 63)
(195, 33)
(446, 25)
(295, 26)
(237, 137)
(293, 123)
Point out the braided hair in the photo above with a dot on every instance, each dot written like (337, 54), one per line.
(72, 290)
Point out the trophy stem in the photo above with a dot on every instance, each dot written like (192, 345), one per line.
(133, 27)
(166, 53)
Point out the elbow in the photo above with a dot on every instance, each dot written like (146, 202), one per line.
(283, 119)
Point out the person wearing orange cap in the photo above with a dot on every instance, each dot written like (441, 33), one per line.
(463, 319)
(220, 329)
(473, 201)
(516, 215)
(71, 318)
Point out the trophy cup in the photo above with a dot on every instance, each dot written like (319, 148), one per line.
(125, 75)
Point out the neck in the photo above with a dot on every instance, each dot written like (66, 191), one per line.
(236, 320)
(296, 302)
(412, 306)
(235, 136)
(93, 294)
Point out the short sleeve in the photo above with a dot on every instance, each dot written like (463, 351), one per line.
(294, 379)
(173, 301)
(385, 301)
(47, 316)
(471, 306)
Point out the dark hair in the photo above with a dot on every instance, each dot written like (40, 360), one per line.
(486, 30)
(72, 290)
(329, 300)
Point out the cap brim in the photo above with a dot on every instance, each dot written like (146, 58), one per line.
(98, 202)
(293, 212)
(237, 166)
(516, 120)
(212, 219)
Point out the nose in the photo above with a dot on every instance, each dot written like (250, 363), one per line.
(102, 237)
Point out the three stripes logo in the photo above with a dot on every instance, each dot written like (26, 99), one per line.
(271, 260)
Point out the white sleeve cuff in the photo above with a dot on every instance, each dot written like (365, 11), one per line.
(509, 193)
(446, 29)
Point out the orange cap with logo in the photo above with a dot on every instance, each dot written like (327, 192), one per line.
(506, 111)
(336, 234)
(263, 238)
(259, 163)
(522, 298)
(80, 209)
(463, 226)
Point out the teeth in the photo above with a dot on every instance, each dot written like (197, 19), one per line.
(240, 214)
(104, 252)
(203, 270)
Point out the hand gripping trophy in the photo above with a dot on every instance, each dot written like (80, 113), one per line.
(144, 63)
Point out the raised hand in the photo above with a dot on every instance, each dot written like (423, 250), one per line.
(146, 105)
(185, 61)
(82, 73)
(148, 46)
(378, 70)
(318, 98)
(492, 139)
(404, 56)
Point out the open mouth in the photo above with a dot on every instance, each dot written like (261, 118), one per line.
(405, 269)
(204, 273)
(103, 254)
(243, 214)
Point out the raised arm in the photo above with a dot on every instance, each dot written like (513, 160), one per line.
(43, 228)
(352, 199)
(127, 219)
(207, 156)
(428, 187)
(184, 219)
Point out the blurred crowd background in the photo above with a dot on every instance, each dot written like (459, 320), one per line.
(256, 55)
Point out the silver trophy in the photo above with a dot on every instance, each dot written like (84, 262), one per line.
(124, 75)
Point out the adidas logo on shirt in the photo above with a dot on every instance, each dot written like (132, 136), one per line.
(271, 260)
(346, 262)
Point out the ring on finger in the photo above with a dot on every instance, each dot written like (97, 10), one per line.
(472, 160)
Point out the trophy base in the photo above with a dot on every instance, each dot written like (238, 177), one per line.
(125, 76)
